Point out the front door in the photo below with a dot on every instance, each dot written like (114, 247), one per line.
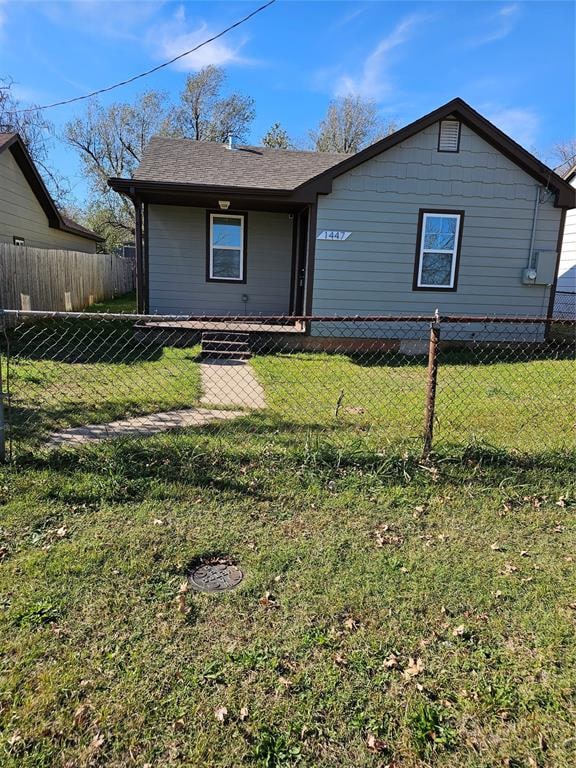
(301, 235)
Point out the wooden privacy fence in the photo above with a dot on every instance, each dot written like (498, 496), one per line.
(59, 280)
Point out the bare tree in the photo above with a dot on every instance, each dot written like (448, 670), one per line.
(110, 142)
(565, 153)
(350, 124)
(36, 132)
(277, 138)
(205, 115)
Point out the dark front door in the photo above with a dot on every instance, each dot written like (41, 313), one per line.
(301, 235)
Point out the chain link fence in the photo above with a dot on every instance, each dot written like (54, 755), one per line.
(565, 305)
(410, 383)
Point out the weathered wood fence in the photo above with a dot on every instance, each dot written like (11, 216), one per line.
(59, 280)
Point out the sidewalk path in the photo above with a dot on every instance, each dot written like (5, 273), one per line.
(230, 382)
(139, 426)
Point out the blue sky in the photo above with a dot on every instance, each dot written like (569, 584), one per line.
(513, 61)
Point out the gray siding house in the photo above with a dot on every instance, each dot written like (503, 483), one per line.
(448, 212)
(28, 214)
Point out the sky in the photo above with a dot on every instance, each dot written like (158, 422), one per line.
(512, 61)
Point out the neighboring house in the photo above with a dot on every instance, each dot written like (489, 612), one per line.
(28, 214)
(565, 302)
(448, 212)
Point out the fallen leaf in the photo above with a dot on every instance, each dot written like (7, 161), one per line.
(496, 547)
(157, 521)
(179, 724)
(184, 587)
(181, 603)
(284, 681)
(561, 502)
(413, 668)
(524, 553)
(498, 593)
(61, 532)
(221, 713)
(340, 660)
(351, 624)
(243, 713)
(82, 714)
(374, 744)
(391, 662)
(267, 599)
(459, 631)
(509, 568)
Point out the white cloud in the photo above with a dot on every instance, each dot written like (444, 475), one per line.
(501, 25)
(2, 15)
(373, 80)
(173, 38)
(523, 125)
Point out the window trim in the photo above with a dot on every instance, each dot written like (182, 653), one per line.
(21, 241)
(422, 213)
(449, 120)
(210, 216)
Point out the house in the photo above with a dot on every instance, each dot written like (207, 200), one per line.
(447, 212)
(28, 214)
(565, 300)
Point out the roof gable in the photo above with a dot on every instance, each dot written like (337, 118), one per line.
(56, 220)
(565, 196)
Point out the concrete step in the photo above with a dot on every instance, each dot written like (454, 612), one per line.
(218, 354)
(225, 336)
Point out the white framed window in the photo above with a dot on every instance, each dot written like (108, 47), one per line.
(18, 240)
(226, 247)
(438, 250)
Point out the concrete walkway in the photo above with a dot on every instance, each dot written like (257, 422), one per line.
(139, 426)
(230, 382)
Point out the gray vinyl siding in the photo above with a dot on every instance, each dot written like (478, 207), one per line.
(177, 264)
(372, 271)
(21, 214)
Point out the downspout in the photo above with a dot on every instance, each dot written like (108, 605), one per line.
(531, 264)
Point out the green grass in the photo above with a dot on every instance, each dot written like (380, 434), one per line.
(355, 564)
(69, 374)
(122, 304)
(521, 404)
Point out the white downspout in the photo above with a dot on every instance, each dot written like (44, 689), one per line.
(533, 234)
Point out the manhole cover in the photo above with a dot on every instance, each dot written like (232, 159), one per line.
(215, 577)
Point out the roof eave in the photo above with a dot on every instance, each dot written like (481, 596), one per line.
(36, 183)
(133, 187)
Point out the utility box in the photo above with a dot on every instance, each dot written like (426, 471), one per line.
(545, 265)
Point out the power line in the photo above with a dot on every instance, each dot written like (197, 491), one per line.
(566, 162)
(149, 71)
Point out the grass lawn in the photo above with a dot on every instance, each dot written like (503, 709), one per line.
(122, 304)
(66, 374)
(391, 613)
(520, 404)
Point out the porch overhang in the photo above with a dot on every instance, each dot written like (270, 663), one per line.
(208, 195)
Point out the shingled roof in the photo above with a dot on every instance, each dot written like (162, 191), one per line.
(186, 161)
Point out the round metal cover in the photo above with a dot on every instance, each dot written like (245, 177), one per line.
(215, 577)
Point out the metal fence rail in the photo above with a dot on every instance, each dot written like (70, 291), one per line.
(69, 378)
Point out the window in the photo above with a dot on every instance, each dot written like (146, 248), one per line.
(438, 250)
(226, 247)
(449, 136)
(18, 240)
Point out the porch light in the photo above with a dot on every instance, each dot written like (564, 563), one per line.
(224, 204)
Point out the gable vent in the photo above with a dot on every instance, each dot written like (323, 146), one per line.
(449, 136)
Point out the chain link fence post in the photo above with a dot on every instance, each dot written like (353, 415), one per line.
(2, 419)
(432, 378)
